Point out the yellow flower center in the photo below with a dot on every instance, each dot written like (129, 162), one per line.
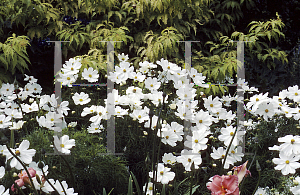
(134, 90)
(296, 93)
(52, 119)
(35, 89)
(161, 172)
(151, 85)
(287, 161)
(168, 67)
(167, 137)
(7, 89)
(231, 133)
(196, 141)
(100, 113)
(266, 110)
(68, 78)
(80, 100)
(1, 122)
(139, 116)
(150, 188)
(185, 95)
(200, 121)
(211, 105)
(135, 77)
(189, 160)
(292, 141)
(257, 99)
(90, 75)
(72, 69)
(232, 151)
(91, 110)
(62, 145)
(124, 70)
(223, 156)
(17, 152)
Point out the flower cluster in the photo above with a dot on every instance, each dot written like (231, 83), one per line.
(15, 103)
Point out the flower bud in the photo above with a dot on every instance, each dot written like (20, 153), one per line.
(31, 100)
(172, 106)
(295, 182)
(15, 174)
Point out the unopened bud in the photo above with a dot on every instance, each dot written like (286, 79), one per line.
(295, 182)
(15, 174)
(172, 106)
(31, 100)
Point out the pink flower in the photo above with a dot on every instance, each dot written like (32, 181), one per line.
(24, 179)
(224, 185)
(241, 171)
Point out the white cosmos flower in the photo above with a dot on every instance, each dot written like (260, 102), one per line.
(152, 84)
(291, 144)
(149, 188)
(4, 121)
(169, 137)
(101, 114)
(23, 153)
(227, 133)
(81, 98)
(60, 189)
(198, 141)
(265, 110)
(90, 75)
(2, 190)
(17, 126)
(287, 163)
(169, 159)
(30, 108)
(187, 158)
(122, 57)
(31, 79)
(64, 144)
(212, 105)
(163, 174)
(220, 154)
(95, 128)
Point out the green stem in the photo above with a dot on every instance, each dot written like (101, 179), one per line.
(156, 129)
(35, 191)
(12, 138)
(241, 185)
(49, 182)
(257, 183)
(146, 162)
(192, 175)
(69, 167)
(228, 148)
